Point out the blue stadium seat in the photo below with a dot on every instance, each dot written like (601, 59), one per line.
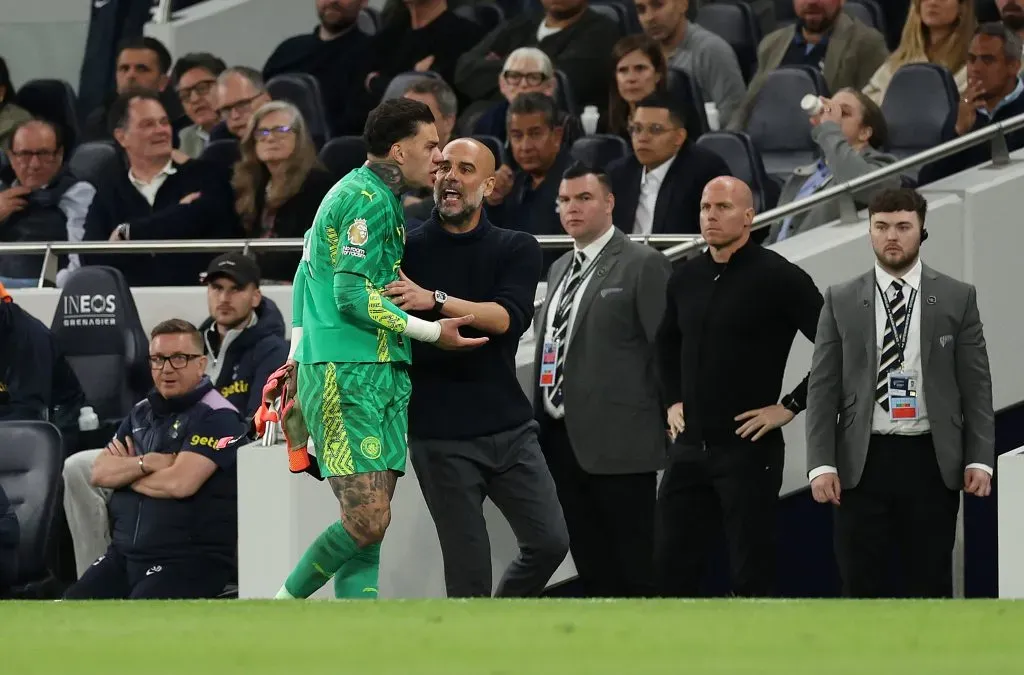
(687, 94)
(867, 12)
(564, 96)
(920, 108)
(736, 24)
(613, 11)
(343, 154)
(778, 126)
(745, 163)
(93, 161)
(487, 13)
(599, 150)
(401, 82)
(368, 20)
(303, 91)
(55, 102)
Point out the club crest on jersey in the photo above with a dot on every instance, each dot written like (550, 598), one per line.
(357, 232)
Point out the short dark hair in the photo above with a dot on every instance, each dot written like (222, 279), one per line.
(532, 103)
(163, 56)
(117, 115)
(178, 327)
(5, 80)
(55, 128)
(656, 100)
(871, 117)
(204, 60)
(580, 169)
(1011, 41)
(392, 121)
(439, 89)
(899, 199)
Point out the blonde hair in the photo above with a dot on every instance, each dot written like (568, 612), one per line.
(950, 53)
(251, 175)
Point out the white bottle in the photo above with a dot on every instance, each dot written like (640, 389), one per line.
(812, 105)
(711, 111)
(88, 420)
(589, 118)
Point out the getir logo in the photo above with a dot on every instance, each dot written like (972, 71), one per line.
(90, 310)
(208, 441)
(236, 387)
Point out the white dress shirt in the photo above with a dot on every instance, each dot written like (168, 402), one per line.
(590, 253)
(149, 190)
(650, 186)
(880, 422)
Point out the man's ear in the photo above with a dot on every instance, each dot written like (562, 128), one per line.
(489, 186)
(257, 298)
(610, 206)
(397, 153)
(119, 136)
(162, 83)
(559, 132)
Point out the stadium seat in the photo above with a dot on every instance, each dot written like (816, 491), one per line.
(784, 11)
(92, 161)
(224, 152)
(495, 146)
(98, 330)
(487, 13)
(343, 154)
(53, 101)
(920, 107)
(628, 21)
(599, 150)
(736, 24)
(30, 466)
(564, 95)
(368, 21)
(399, 83)
(303, 91)
(745, 163)
(868, 12)
(778, 126)
(687, 94)
(613, 11)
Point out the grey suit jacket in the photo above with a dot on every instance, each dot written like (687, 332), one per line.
(613, 413)
(846, 164)
(854, 53)
(955, 370)
(190, 142)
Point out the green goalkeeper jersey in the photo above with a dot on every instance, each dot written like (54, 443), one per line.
(353, 250)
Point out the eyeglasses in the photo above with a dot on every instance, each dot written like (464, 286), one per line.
(279, 133)
(653, 130)
(239, 107)
(177, 361)
(199, 88)
(514, 77)
(27, 155)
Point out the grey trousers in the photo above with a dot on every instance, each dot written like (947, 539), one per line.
(86, 509)
(456, 475)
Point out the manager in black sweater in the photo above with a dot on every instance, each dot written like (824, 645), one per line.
(471, 428)
(154, 197)
(729, 324)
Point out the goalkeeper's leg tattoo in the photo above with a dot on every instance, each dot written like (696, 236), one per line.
(365, 500)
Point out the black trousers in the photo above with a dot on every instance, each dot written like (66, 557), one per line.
(610, 520)
(900, 506)
(456, 476)
(114, 577)
(734, 486)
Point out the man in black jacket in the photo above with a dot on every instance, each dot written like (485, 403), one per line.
(156, 198)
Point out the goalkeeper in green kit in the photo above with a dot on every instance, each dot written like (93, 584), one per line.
(351, 349)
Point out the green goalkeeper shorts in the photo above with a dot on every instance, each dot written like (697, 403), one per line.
(357, 415)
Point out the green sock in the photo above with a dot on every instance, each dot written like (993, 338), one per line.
(358, 577)
(325, 556)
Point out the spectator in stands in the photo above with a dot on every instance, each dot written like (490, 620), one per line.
(439, 97)
(11, 115)
(279, 183)
(240, 91)
(432, 38)
(334, 53)
(852, 135)
(526, 200)
(142, 63)
(658, 189)
(703, 55)
(244, 342)
(156, 198)
(825, 38)
(1012, 14)
(171, 466)
(993, 95)
(39, 201)
(937, 31)
(639, 71)
(9, 537)
(575, 38)
(195, 79)
(526, 69)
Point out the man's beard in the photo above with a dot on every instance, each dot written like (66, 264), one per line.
(822, 25)
(337, 26)
(463, 215)
(1014, 19)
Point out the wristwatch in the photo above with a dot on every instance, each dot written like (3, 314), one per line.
(791, 404)
(440, 297)
(124, 231)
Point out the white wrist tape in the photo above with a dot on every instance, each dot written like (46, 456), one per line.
(296, 339)
(424, 331)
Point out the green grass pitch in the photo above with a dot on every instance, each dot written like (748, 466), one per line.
(483, 637)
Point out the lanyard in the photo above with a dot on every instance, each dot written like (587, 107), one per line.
(564, 282)
(890, 320)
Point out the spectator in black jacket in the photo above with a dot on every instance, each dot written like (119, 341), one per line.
(279, 182)
(9, 537)
(994, 94)
(156, 198)
(577, 39)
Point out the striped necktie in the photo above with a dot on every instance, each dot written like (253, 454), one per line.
(890, 359)
(560, 324)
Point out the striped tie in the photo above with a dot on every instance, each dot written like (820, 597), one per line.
(560, 324)
(890, 350)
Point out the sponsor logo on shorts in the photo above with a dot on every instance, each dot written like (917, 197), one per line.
(370, 447)
(357, 232)
(353, 251)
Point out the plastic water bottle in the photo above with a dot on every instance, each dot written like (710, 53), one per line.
(812, 105)
(589, 118)
(711, 111)
(88, 420)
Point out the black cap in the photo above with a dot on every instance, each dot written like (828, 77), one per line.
(241, 269)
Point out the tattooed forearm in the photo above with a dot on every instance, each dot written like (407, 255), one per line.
(390, 173)
(365, 504)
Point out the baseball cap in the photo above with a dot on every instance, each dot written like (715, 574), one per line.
(241, 269)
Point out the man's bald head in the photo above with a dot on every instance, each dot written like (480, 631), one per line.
(726, 212)
(465, 177)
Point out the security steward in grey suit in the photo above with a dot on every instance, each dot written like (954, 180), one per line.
(899, 415)
(597, 389)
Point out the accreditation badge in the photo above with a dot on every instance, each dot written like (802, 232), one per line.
(548, 363)
(903, 396)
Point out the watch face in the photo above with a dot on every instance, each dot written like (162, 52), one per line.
(440, 296)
